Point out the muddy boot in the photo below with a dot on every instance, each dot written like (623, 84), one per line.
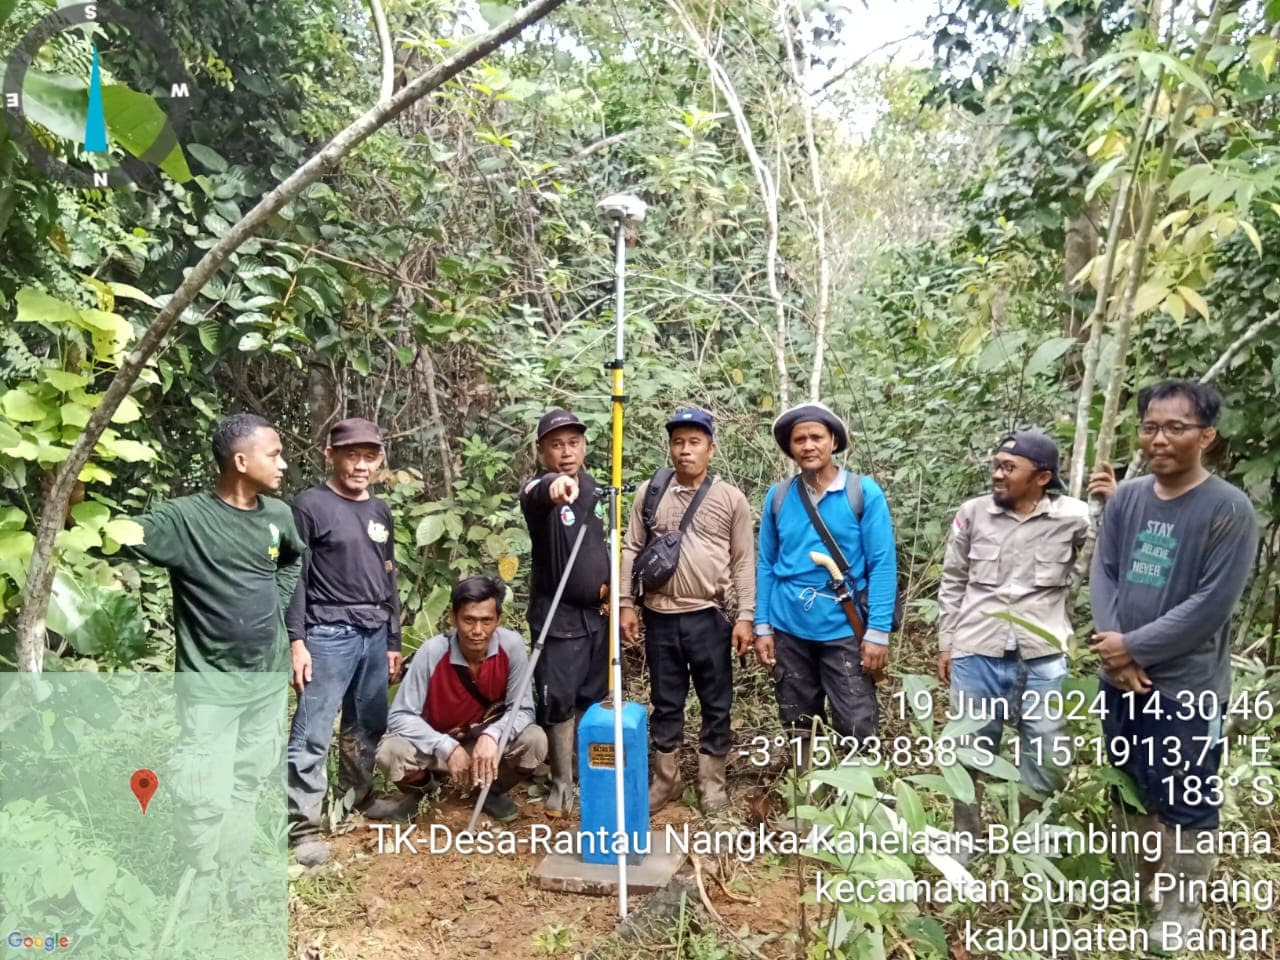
(968, 828)
(1177, 917)
(405, 807)
(497, 805)
(1131, 863)
(560, 737)
(311, 852)
(664, 779)
(711, 783)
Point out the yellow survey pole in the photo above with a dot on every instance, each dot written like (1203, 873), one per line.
(619, 209)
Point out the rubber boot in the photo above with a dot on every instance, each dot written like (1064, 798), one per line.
(388, 808)
(968, 825)
(664, 782)
(497, 804)
(1131, 863)
(1177, 916)
(711, 783)
(560, 737)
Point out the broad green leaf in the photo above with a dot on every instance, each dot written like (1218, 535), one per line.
(251, 341)
(959, 781)
(1149, 295)
(1252, 234)
(1027, 625)
(124, 531)
(1104, 173)
(1176, 307)
(932, 781)
(209, 158)
(1194, 299)
(21, 407)
(128, 450)
(9, 437)
(74, 415)
(909, 806)
(210, 332)
(11, 518)
(127, 412)
(1048, 353)
(1188, 178)
(64, 380)
(136, 121)
(57, 102)
(126, 292)
(430, 529)
(16, 544)
(57, 879)
(36, 306)
(1003, 349)
(94, 473)
(495, 13)
(78, 538)
(91, 513)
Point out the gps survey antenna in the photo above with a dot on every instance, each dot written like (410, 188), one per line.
(619, 210)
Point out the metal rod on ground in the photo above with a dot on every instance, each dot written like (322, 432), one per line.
(619, 209)
(527, 678)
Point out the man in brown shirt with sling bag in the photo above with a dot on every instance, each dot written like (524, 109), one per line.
(690, 545)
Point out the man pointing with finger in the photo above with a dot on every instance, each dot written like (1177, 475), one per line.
(572, 672)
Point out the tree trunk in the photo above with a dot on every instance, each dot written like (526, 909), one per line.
(35, 592)
(768, 193)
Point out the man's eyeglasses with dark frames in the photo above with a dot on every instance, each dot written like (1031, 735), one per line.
(1173, 429)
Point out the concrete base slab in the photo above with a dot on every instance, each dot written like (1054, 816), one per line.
(566, 873)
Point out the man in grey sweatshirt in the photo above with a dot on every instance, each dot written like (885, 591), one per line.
(1173, 556)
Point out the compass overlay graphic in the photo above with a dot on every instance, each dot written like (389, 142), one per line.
(173, 78)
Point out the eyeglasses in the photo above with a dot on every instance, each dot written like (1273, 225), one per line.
(1173, 429)
(1005, 467)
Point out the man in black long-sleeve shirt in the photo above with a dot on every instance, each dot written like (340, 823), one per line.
(344, 631)
(1173, 556)
(572, 672)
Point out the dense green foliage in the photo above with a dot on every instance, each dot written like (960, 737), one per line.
(452, 280)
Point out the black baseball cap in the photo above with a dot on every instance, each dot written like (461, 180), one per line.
(1037, 447)
(557, 418)
(355, 430)
(692, 417)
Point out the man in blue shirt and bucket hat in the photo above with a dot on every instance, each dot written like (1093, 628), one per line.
(820, 661)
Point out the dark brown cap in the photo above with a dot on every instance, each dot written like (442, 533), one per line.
(348, 433)
(557, 418)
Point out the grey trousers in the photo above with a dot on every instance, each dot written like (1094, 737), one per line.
(397, 758)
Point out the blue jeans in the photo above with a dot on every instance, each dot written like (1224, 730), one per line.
(348, 672)
(1013, 691)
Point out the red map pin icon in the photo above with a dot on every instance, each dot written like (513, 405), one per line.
(143, 783)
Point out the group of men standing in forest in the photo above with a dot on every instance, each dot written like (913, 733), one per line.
(818, 603)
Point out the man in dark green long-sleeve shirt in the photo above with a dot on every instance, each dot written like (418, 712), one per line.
(233, 557)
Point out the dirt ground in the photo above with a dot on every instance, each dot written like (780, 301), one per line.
(371, 906)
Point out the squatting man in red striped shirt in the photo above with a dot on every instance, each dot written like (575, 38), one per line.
(449, 714)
